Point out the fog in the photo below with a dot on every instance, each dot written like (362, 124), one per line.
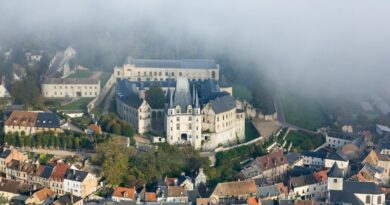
(322, 47)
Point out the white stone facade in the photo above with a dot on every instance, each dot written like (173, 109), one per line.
(163, 70)
(138, 117)
(70, 88)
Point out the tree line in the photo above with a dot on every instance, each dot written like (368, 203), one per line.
(47, 140)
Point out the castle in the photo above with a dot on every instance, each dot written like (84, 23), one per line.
(197, 112)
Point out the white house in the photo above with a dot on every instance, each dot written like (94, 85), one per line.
(338, 158)
(200, 178)
(79, 183)
(337, 140)
(310, 158)
(308, 187)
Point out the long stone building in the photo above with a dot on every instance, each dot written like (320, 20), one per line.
(70, 87)
(165, 70)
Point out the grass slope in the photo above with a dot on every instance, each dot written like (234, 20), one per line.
(303, 141)
(303, 112)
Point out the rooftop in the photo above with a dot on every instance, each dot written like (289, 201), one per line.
(75, 175)
(177, 191)
(235, 188)
(47, 120)
(223, 104)
(124, 192)
(180, 63)
(335, 171)
(350, 188)
(87, 81)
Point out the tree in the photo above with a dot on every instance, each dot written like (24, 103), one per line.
(127, 130)
(113, 158)
(155, 97)
(76, 142)
(117, 129)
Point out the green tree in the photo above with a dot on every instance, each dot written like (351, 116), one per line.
(155, 97)
(76, 142)
(127, 130)
(113, 158)
(117, 129)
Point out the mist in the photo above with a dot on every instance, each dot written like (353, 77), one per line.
(318, 47)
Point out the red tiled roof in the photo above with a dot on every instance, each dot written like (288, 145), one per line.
(321, 176)
(236, 188)
(22, 118)
(176, 191)
(43, 194)
(95, 128)
(150, 197)
(59, 171)
(170, 181)
(272, 160)
(124, 192)
(252, 201)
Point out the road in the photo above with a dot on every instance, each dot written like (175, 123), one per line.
(282, 120)
(107, 103)
(60, 153)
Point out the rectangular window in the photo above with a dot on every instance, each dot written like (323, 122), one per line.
(177, 126)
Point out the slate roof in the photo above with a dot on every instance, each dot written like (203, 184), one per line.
(182, 178)
(302, 180)
(223, 82)
(266, 191)
(292, 157)
(343, 135)
(335, 171)
(336, 156)
(165, 63)
(66, 199)
(354, 187)
(75, 175)
(86, 81)
(5, 153)
(320, 154)
(182, 95)
(127, 93)
(193, 195)
(223, 104)
(47, 172)
(47, 120)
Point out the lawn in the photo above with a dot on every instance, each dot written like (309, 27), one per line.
(250, 131)
(242, 92)
(78, 105)
(303, 141)
(303, 112)
(81, 74)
